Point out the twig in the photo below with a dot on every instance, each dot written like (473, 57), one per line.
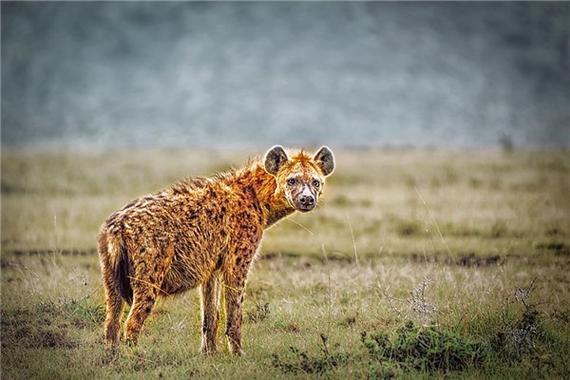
(353, 241)
(300, 225)
(433, 219)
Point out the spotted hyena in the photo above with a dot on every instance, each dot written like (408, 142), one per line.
(202, 232)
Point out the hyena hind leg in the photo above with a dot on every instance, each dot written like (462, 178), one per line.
(146, 285)
(113, 299)
(114, 309)
(143, 301)
(210, 295)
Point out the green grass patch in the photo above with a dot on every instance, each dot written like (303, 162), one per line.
(429, 349)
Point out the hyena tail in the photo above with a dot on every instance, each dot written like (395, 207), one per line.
(117, 265)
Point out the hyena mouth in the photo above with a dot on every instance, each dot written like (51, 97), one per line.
(305, 205)
(305, 208)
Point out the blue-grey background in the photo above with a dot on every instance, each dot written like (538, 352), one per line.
(98, 75)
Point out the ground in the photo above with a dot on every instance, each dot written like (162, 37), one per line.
(417, 263)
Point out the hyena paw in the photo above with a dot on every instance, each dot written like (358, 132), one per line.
(208, 349)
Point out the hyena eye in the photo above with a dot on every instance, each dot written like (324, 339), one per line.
(316, 183)
(291, 181)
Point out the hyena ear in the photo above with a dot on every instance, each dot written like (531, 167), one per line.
(274, 159)
(325, 160)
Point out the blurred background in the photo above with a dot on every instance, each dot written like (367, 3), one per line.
(107, 75)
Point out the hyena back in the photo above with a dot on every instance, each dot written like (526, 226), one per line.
(202, 232)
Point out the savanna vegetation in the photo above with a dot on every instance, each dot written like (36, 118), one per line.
(417, 263)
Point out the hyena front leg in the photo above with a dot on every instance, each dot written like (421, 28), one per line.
(234, 298)
(234, 287)
(210, 292)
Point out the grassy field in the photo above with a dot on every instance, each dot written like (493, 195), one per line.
(417, 263)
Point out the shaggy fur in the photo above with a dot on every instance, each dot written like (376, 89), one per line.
(202, 232)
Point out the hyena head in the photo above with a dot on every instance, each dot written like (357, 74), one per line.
(300, 178)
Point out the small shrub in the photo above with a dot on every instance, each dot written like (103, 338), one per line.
(518, 339)
(303, 362)
(521, 336)
(425, 348)
(260, 313)
(85, 311)
(417, 306)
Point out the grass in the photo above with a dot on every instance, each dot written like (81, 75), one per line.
(417, 263)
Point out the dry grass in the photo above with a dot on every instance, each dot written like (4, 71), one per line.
(473, 227)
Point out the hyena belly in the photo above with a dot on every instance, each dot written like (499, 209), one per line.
(188, 271)
(198, 253)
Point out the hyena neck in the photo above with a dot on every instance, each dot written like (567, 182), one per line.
(276, 214)
(274, 207)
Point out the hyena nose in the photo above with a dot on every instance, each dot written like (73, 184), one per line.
(307, 200)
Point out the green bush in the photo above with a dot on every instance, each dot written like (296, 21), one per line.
(302, 361)
(425, 348)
